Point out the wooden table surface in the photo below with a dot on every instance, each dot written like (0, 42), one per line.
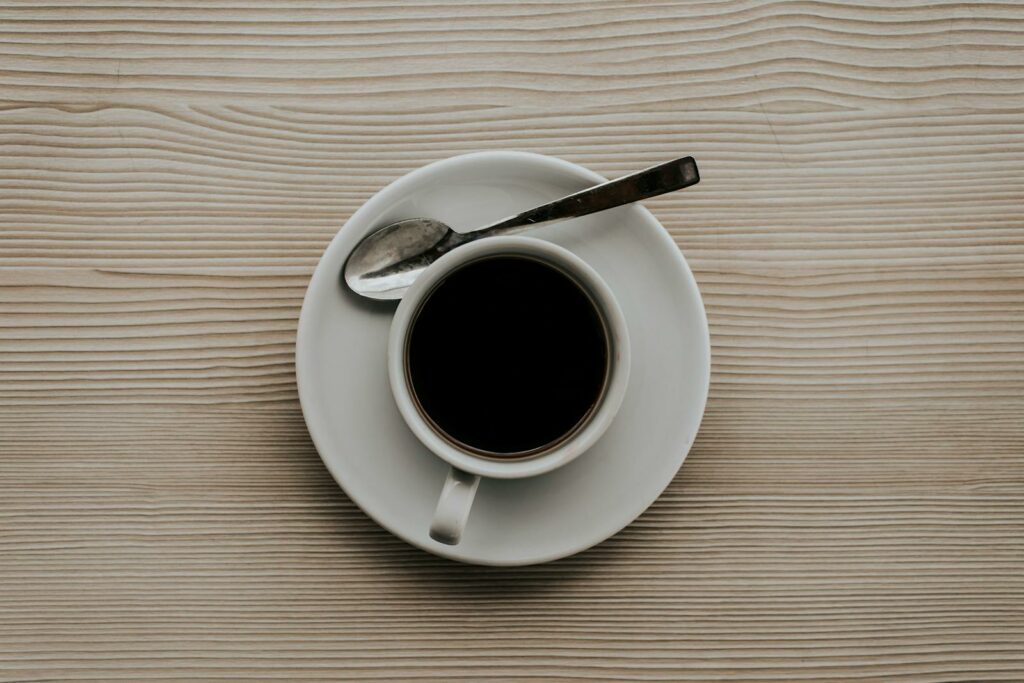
(853, 508)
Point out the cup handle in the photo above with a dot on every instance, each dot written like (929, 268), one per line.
(453, 507)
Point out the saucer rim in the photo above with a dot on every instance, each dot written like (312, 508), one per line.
(305, 375)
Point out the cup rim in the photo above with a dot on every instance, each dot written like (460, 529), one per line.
(575, 443)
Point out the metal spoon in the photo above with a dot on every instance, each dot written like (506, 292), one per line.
(388, 260)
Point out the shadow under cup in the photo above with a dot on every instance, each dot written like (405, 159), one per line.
(508, 356)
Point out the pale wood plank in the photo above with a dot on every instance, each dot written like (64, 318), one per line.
(701, 55)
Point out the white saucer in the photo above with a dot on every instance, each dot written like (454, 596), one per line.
(352, 417)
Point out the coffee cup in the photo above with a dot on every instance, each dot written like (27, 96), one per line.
(508, 358)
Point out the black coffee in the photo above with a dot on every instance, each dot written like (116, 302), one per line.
(507, 355)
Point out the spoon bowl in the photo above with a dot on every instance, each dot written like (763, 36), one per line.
(383, 265)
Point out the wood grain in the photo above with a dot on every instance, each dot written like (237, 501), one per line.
(853, 509)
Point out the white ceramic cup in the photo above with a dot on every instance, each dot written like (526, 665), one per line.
(467, 467)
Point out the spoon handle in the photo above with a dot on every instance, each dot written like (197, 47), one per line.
(651, 182)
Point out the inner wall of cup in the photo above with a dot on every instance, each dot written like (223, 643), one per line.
(545, 448)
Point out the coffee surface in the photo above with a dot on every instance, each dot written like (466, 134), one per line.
(507, 355)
